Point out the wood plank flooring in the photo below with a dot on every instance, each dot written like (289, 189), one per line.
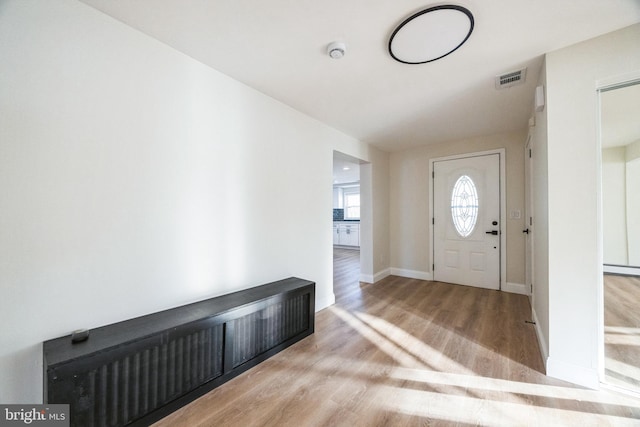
(622, 331)
(407, 352)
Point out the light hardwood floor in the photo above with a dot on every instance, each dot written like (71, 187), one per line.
(407, 352)
(622, 331)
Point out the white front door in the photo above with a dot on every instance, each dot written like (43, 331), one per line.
(466, 245)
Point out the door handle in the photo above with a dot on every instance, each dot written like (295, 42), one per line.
(526, 231)
(494, 232)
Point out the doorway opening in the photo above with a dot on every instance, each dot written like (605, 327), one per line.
(347, 232)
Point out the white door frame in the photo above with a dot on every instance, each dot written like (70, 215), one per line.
(601, 86)
(529, 242)
(503, 206)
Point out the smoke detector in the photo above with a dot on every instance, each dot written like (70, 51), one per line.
(336, 50)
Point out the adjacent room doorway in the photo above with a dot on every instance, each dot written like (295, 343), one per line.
(346, 225)
(467, 220)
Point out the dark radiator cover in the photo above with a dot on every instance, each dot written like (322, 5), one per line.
(138, 371)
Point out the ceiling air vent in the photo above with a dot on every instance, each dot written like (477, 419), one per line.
(511, 79)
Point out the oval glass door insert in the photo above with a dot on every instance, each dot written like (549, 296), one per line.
(464, 206)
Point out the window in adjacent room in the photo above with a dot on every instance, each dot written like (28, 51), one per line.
(351, 204)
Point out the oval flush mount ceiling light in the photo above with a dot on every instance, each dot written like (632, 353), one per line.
(431, 34)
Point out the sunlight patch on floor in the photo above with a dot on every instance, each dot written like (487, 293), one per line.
(623, 369)
(477, 410)
(514, 387)
(621, 330)
(402, 347)
(621, 336)
(457, 394)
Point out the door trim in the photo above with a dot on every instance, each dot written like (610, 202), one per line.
(503, 206)
(529, 200)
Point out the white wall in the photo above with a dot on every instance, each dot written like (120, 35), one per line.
(575, 247)
(614, 206)
(379, 175)
(374, 217)
(540, 227)
(135, 179)
(410, 198)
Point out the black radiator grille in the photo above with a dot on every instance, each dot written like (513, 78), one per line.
(128, 387)
(262, 330)
(137, 371)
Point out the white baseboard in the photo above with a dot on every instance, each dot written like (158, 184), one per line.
(412, 274)
(366, 278)
(381, 275)
(515, 288)
(375, 278)
(322, 303)
(621, 269)
(542, 342)
(586, 377)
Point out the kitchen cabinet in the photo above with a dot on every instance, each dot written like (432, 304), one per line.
(338, 201)
(346, 234)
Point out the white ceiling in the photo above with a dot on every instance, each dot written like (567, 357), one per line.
(345, 170)
(279, 48)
